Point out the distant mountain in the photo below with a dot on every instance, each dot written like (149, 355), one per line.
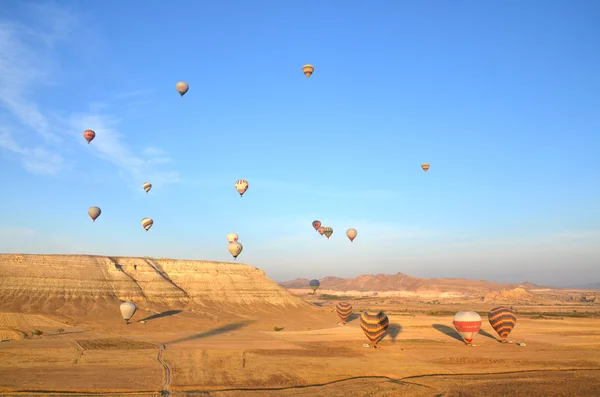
(403, 282)
(586, 286)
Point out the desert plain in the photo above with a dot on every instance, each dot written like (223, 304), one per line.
(222, 329)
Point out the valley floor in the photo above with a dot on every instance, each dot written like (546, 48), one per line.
(184, 354)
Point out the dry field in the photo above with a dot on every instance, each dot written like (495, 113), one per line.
(223, 329)
(184, 354)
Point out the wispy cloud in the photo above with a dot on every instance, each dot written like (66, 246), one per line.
(109, 146)
(372, 236)
(29, 60)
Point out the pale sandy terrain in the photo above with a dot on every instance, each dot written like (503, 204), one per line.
(209, 331)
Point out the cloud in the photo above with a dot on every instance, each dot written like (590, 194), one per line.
(29, 60)
(36, 160)
(109, 146)
(329, 192)
(372, 236)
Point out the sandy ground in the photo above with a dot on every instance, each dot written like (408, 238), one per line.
(185, 354)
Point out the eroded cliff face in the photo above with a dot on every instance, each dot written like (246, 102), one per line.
(61, 283)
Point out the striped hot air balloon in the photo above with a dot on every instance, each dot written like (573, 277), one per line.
(327, 231)
(374, 324)
(467, 324)
(147, 223)
(503, 320)
(308, 69)
(147, 186)
(425, 167)
(344, 310)
(241, 186)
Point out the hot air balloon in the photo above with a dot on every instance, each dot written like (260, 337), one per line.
(425, 166)
(94, 213)
(182, 87)
(241, 186)
(327, 232)
(344, 310)
(235, 249)
(89, 135)
(374, 324)
(308, 69)
(321, 230)
(232, 238)
(351, 233)
(128, 310)
(316, 225)
(147, 186)
(467, 324)
(314, 284)
(147, 223)
(503, 320)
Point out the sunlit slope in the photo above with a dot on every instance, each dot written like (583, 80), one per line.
(68, 284)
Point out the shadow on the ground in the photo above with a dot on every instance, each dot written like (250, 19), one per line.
(393, 331)
(217, 331)
(488, 335)
(159, 315)
(352, 317)
(451, 332)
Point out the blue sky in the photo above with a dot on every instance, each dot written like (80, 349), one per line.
(501, 99)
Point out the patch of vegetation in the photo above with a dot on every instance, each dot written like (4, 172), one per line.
(38, 332)
(335, 297)
(277, 329)
(60, 330)
(440, 313)
(557, 315)
(114, 344)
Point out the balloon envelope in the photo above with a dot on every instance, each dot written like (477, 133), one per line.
(327, 232)
(128, 310)
(374, 324)
(321, 230)
(316, 225)
(182, 87)
(343, 310)
(89, 135)
(147, 223)
(235, 249)
(351, 233)
(147, 186)
(503, 320)
(232, 237)
(94, 213)
(314, 284)
(241, 186)
(467, 324)
(425, 167)
(308, 69)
